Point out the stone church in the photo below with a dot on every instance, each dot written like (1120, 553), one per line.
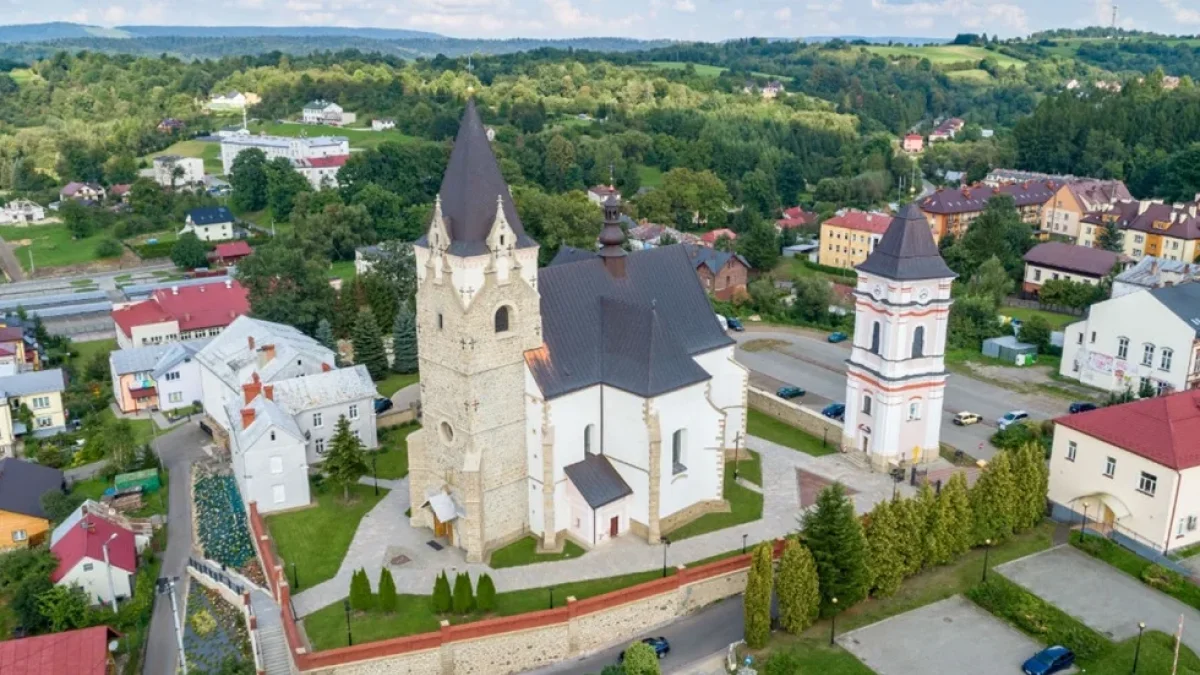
(592, 398)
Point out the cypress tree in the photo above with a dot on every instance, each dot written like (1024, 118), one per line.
(993, 501)
(799, 595)
(1030, 476)
(368, 345)
(910, 538)
(404, 341)
(441, 594)
(360, 591)
(926, 505)
(464, 601)
(387, 591)
(757, 600)
(960, 522)
(834, 535)
(885, 554)
(324, 335)
(485, 594)
(941, 530)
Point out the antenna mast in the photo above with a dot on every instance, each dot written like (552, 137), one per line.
(1114, 19)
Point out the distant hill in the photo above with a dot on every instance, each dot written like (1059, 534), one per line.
(879, 39)
(58, 30)
(287, 31)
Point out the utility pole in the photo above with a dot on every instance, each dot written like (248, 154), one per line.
(1114, 19)
(31, 268)
(167, 585)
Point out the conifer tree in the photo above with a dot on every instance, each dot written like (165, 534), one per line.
(404, 341)
(927, 505)
(345, 463)
(941, 530)
(834, 535)
(485, 593)
(360, 591)
(441, 594)
(757, 600)
(387, 591)
(960, 522)
(324, 335)
(910, 539)
(993, 501)
(368, 345)
(464, 601)
(799, 594)
(885, 554)
(1040, 486)
(1030, 477)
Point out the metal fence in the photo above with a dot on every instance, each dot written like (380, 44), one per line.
(1118, 534)
(217, 575)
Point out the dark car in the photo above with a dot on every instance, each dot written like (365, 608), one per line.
(1081, 406)
(835, 411)
(790, 392)
(660, 645)
(735, 323)
(838, 336)
(1049, 660)
(382, 405)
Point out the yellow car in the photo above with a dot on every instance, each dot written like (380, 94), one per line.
(965, 418)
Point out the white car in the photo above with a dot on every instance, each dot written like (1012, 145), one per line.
(1011, 418)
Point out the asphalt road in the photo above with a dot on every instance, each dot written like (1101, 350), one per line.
(693, 638)
(820, 367)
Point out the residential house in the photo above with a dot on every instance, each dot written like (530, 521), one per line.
(598, 193)
(1137, 338)
(795, 217)
(209, 223)
(1167, 231)
(1151, 272)
(98, 556)
(273, 396)
(23, 521)
(73, 652)
(722, 273)
(180, 313)
(21, 212)
(41, 393)
(163, 376)
(382, 124)
(914, 143)
(19, 350)
(711, 237)
(290, 148)
(320, 172)
(651, 235)
(232, 100)
(120, 192)
(849, 237)
(1076, 198)
(1170, 82)
(176, 171)
(947, 130)
(88, 192)
(171, 125)
(951, 210)
(1057, 260)
(326, 112)
(230, 252)
(1133, 469)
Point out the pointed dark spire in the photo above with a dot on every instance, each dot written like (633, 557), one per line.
(612, 238)
(907, 252)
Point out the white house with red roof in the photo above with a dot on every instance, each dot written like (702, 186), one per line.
(710, 238)
(180, 313)
(99, 557)
(1132, 468)
(320, 172)
(914, 143)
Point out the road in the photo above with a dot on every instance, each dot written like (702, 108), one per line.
(105, 281)
(692, 638)
(820, 368)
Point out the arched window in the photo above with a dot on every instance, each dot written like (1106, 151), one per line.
(678, 451)
(876, 329)
(866, 406)
(914, 409)
(589, 433)
(502, 320)
(918, 348)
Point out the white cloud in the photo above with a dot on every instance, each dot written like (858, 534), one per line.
(303, 5)
(969, 13)
(784, 14)
(113, 15)
(684, 6)
(1180, 13)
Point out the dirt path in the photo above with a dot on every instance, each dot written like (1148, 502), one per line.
(8, 262)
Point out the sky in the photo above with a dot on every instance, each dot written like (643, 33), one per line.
(674, 19)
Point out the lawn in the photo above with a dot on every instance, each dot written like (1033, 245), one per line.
(391, 460)
(342, 269)
(359, 138)
(52, 245)
(1057, 321)
(22, 75)
(86, 351)
(395, 382)
(746, 506)
(813, 655)
(974, 76)
(524, 552)
(943, 55)
(702, 69)
(209, 151)
(766, 427)
(92, 488)
(749, 466)
(1157, 655)
(316, 538)
(154, 503)
(651, 176)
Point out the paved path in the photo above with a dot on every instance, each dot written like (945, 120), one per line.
(407, 397)
(1101, 596)
(384, 533)
(8, 262)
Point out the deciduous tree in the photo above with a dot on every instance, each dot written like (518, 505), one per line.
(640, 659)
(189, 252)
(248, 180)
(286, 286)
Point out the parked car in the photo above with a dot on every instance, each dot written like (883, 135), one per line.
(735, 324)
(383, 405)
(835, 411)
(1081, 406)
(790, 392)
(723, 323)
(1049, 660)
(964, 418)
(837, 337)
(1011, 418)
(660, 645)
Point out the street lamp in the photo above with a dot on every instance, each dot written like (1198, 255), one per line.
(1083, 528)
(833, 621)
(551, 597)
(112, 592)
(1137, 651)
(987, 548)
(737, 456)
(349, 637)
(375, 473)
(666, 545)
(744, 542)
(295, 577)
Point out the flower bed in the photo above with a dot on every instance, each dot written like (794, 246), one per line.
(215, 638)
(221, 521)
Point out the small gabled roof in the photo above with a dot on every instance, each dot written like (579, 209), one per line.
(597, 481)
(210, 215)
(33, 382)
(711, 258)
(87, 539)
(907, 252)
(73, 652)
(1094, 262)
(22, 485)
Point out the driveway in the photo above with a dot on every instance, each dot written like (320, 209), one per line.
(1102, 597)
(955, 636)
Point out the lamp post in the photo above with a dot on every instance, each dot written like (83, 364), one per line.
(1137, 651)
(375, 472)
(744, 542)
(551, 597)
(295, 576)
(349, 637)
(1083, 528)
(666, 545)
(737, 456)
(112, 591)
(987, 548)
(833, 621)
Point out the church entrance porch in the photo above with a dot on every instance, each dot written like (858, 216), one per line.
(597, 501)
(445, 512)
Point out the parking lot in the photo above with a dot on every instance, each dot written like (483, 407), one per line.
(950, 637)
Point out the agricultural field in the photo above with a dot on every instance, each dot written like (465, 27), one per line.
(359, 138)
(705, 70)
(945, 55)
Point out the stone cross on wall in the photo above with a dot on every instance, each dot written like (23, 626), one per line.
(467, 293)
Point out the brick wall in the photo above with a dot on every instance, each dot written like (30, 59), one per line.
(802, 418)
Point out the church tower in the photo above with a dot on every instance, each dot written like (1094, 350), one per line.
(896, 377)
(477, 313)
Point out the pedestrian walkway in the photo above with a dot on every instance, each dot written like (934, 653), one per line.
(272, 645)
(385, 537)
(160, 420)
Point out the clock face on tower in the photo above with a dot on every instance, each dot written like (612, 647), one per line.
(924, 296)
(877, 291)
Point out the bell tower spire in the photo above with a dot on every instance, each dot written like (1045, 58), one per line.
(612, 238)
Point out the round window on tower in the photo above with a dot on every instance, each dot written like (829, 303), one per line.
(447, 432)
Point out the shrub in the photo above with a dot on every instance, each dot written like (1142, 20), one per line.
(464, 601)
(641, 659)
(203, 622)
(757, 602)
(485, 594)
(1036, 617)
(441, 594)
(109, 248)
(360, 591)
(387, 591)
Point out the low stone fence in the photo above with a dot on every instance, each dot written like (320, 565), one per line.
(395, 418)
(208, 574)
(798, 416)
(516, 643)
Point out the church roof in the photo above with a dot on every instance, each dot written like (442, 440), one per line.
(907, 252)
(638, 332)
(470, 189)
(597, 481)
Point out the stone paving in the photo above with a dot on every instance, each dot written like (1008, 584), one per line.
(385, 532)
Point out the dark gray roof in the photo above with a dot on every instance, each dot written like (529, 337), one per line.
(207, 215)
(597, 481)
(638, 332)
(907, 252)
(22, 485)
(1183, 300)
(711, 257)
(569, 254)
(469, 190)
(1059, 255)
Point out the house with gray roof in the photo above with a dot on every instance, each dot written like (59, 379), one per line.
(39, 392)
(165, 376)
(1153, 272)
(23, 521)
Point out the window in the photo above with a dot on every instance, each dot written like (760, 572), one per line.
(175, 397)
(318, 421)
(1037, 274)
(1123, 348)
(502, 320)
(87, 567)
(41, 402)
(866, 406)
(20, 535)
(1110, 466)
(354, 411)
(875, 335)
(1137, 238)
(1079, 339)
(1147, 355)
(914, 410)
(441, 324)
(1148, 483)
(279, 494)
(918, 346)
(276, 464)
(1162, 388)
(45, 422)
(1072, 448)
(357, 435)
(172, 376)
(678, 451)
(588, 432)
(319, 446)
(1093, 340)
(272, 434)
(1165, 361)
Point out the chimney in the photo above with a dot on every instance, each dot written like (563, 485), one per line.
(250, 391)
(325, 368)
(250, 341)
(247, 417)
(266, 354)
(174, 290)
(269, 392)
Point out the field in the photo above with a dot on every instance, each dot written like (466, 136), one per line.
(52, 245)
(209, 152)
(702, 69)
(359, 138)
(1068, 46)
(945, 55)
(975, 75)
(651, 176)
(22, 75)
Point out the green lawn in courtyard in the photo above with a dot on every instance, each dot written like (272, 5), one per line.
(317, 538)
(1057, 321)
(52, 245)
(524, 552)
(86, 351)
(92, 488)
(359, 138)
(749, 466)
(766, 427)
(342, 269)
(395, 382)
(813, 655)
(391, 460)
(1157, 655)
(745, 505)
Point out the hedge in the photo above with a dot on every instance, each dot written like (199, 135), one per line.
(1037, 618)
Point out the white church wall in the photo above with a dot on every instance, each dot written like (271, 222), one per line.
(727, 392)
(627, 445)
(689, 409)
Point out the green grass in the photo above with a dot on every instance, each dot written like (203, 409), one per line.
(391, 460)
(814, 655)
(651, 176)
(157, 502)
(52, 245)
(1153, 575)
(342, 269)
(745, 506)
(1185, 552)
(702, 69)
(395, 382)
(524, 552)
(86, 351)
(974, 76)
(92, 488)
(945, 55)
(1057, 321)
(1157, 656)
(749, 466)
(1037, 618)
(764, 426)
(359, 138)
(316, 538)
(210, 152)
(22, 76)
